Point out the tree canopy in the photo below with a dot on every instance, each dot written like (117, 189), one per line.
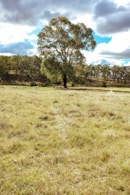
(60, 44)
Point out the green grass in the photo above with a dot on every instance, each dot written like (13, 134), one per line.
(56, 142)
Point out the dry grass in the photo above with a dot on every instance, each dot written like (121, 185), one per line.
(55, 142)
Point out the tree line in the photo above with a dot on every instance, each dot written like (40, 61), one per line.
(20, 69)
(28, 69)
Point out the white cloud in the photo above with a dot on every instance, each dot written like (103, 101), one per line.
(118, 43)
(6, 54)
(96, 58)
(122, 2)
(10, 33)
(113, 52)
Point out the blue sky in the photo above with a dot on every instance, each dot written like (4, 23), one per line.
(100, 39)
(21, 20)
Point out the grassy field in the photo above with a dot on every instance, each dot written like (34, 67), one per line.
(72, 142)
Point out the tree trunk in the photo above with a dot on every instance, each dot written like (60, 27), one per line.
(65, 80)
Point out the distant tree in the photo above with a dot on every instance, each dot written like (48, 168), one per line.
(4, 67)
(60, 44)
(89, 71)
(127, 75)
(105, 69)
(80, 73)
(98, 71)
(115, 72)
(34, 68)
(15, 63)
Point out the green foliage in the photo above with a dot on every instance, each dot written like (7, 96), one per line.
(4, 67)
(32, 69)
(20, 68)
(63, 41)
(51, 68)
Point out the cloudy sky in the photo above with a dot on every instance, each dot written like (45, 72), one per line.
(21, 20)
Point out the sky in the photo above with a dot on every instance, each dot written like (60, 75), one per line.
(22, 20)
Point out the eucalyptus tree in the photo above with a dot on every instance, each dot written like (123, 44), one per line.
(29, 68)
(34, 68)
(60, 44)
(105, 69)
(4, 67)
(115, 72)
